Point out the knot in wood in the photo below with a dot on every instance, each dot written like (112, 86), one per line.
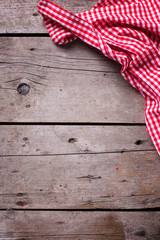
(23, 88)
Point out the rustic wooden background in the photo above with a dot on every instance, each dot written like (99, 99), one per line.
(76, 160)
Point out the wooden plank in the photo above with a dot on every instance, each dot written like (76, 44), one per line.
(23, 17)
(46, 140)
(42, 52)
(79, 225)
(60, 91)
(83, 181)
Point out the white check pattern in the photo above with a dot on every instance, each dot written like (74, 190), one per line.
(127, 31)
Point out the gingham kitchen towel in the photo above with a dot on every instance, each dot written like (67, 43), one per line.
(127, 31)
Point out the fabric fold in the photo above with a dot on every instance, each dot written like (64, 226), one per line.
(127, 31)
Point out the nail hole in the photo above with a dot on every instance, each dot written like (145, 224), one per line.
(32, 49)
(72, 140)
(14, 171)
(23, 88)
(138, 142)
(86, 150)
(35, 14)
(28, 106)
(25, 138)
(124, 180)
(141, 233)
(20, 194)
(20, 203)
(60, 222)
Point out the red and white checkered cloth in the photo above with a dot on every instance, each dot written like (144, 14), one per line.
(127, 31)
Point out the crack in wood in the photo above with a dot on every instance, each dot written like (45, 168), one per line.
(82, 153)
(61, 68)
(90, 177)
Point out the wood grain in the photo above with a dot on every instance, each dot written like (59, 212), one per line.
(23, 17)
(47, 140)
(72, 84)
(70, 167)
(83, 181)
(79, 225)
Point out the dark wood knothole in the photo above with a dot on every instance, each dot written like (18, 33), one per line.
(23, 89)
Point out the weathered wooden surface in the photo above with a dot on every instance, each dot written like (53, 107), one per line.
(46, 140)
(42, 52)
(72, 84)
(79, 225)
(83, 181)
(22, 16)
(70, 167)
